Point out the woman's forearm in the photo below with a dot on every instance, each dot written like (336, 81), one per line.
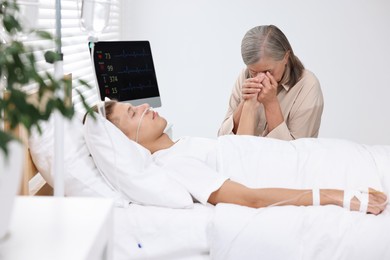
(273, 115)
(237, 116)
(249, 117)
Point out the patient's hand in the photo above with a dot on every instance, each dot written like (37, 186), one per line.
(377, 202)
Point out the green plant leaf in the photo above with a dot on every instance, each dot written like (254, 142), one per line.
(18, 68)
(5, 138)
(51, 57)
(44, 35)
(11, 25)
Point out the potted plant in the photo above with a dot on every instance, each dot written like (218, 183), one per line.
(18, 68)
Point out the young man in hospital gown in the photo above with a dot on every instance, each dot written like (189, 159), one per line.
(194, 161)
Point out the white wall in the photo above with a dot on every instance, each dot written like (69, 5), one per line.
(196, 49)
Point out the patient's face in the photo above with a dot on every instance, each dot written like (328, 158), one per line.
(129, 118)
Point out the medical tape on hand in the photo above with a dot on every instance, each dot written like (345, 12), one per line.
(361, 196)
(316, 197)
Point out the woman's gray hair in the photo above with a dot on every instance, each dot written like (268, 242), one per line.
(269, 41)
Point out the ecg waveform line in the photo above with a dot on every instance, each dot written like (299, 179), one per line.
(135, 70)
(131, 87)
(134, 54)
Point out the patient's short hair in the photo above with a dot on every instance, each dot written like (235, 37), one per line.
(108, 106)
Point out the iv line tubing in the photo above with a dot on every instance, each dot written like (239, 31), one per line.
(140, 121)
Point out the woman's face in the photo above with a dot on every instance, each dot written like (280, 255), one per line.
(276, 68)
(129, 120)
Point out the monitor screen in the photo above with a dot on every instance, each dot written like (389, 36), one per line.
(125, 72)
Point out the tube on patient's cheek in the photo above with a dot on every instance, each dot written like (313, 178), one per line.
(101, 108)
(140, 121)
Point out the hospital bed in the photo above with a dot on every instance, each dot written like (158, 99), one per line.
(196, 231)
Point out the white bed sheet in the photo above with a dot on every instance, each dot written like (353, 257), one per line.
(289, 232)
(234, 232)
(163, 233)
(303, 233)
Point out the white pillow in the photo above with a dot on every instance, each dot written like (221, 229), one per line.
(129, 168)
(81, 176)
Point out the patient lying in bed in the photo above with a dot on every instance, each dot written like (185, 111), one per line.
(192, 164)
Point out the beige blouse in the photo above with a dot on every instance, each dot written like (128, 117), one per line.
(301, 105)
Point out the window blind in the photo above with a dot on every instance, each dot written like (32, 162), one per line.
(77, 60)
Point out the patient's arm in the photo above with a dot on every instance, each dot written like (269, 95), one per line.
(235, 193)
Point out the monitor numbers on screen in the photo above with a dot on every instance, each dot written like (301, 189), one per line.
(125, 70)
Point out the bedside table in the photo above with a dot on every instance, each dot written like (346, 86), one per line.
(49, 228)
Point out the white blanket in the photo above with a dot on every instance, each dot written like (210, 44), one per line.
(149, 232)
(289, 232)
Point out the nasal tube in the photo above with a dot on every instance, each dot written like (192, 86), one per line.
(140, 121)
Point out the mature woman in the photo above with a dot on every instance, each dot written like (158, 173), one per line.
(289, 98)
(146, 127)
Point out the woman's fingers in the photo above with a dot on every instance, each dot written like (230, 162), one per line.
(251, 84)
(251, 88)
(272, 79)
(263, 85)
(268, 92)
